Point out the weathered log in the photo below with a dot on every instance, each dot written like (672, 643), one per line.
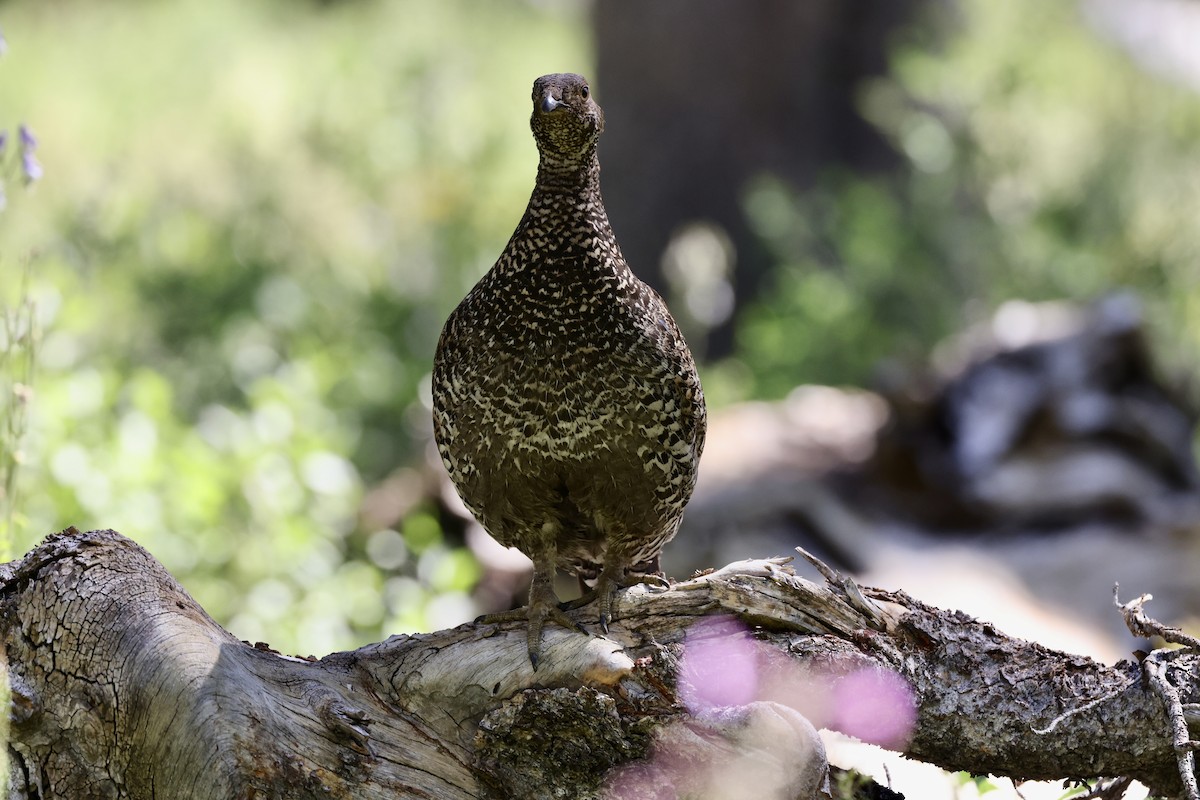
(122, 686)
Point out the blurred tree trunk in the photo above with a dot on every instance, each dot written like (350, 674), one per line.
(702, 96)
(123, 687)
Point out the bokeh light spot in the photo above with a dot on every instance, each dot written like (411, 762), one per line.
(876, 706)
(720, 666)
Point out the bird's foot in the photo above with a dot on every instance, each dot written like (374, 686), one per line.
(542, 608)
(607, 587)
(606, 592)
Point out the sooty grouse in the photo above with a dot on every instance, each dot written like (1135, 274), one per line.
(566, 405)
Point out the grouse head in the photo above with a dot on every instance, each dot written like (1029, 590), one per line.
(566, 120)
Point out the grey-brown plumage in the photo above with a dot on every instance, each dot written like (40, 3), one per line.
(566, 405)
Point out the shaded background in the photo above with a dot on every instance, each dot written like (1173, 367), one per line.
(255, 216)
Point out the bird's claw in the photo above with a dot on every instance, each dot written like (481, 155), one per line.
(657, 583)
(578, 602)
(606, 591)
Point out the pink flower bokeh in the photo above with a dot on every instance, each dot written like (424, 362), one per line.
(724, 667)
(720, 665)
(876, 706)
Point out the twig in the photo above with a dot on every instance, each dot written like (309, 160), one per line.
(1156, 672)
(1155, 668)
(854, 596)
(1141, 625)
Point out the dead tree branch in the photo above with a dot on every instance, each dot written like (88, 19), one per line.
(123, 687)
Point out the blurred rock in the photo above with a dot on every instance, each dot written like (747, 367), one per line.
(1050, 418)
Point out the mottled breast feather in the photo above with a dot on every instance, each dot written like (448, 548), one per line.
(566, 402)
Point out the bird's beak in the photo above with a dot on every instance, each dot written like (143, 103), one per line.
(549, 103)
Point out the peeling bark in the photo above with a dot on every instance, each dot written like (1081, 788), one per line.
(123, 687)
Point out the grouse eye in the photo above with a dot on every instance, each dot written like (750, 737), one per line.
(586, 91)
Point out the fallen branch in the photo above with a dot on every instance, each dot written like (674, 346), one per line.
(123, 686)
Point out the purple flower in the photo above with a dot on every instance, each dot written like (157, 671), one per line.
(3, 143)
(31, 167)
(28, 142)
(29, 163)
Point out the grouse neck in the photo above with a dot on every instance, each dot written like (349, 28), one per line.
(579, 175)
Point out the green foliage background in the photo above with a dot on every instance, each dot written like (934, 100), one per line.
(1043, 163)
(254, 219)
(256, 215)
